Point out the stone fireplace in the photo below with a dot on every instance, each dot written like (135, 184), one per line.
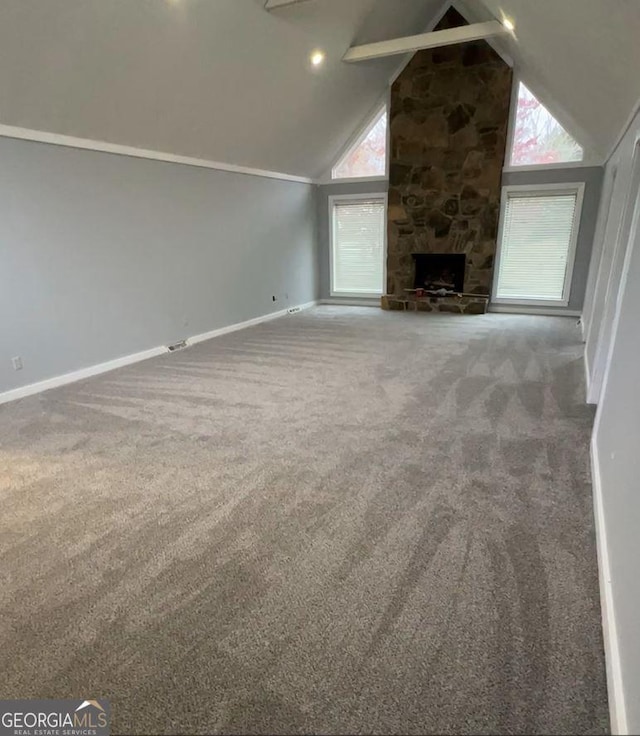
(448, 125)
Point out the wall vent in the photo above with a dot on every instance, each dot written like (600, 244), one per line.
(273, 4)
(178, 346)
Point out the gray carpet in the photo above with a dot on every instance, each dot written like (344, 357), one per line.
(342, 521)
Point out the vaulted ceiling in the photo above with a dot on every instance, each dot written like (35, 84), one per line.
(580, 57)
(223, 80)
(227, 81)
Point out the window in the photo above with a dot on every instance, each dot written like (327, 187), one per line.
(537, 245)
(368, 155)
(538, 138)
(358, 225)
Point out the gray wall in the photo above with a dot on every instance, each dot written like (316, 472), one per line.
(102, 256)
(592, 178)
(324, 242)
(617, 436)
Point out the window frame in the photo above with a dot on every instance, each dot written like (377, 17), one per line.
(356, 140)
(576, 187)
(353, 198)
(508, 168)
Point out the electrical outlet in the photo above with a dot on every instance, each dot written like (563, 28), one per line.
(17, 363)
(273, 299)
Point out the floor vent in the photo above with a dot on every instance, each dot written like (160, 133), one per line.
(178, 346)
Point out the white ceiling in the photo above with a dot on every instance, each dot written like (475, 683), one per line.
(580, 57)
(224, 80)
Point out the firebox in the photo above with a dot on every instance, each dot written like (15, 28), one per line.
(436, 271)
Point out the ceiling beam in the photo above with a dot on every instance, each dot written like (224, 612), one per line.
(273, 4)
(431, 40)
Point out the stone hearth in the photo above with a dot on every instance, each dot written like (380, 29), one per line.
(462, 304)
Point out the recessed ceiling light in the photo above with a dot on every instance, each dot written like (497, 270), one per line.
(317, 58)
(509, 24)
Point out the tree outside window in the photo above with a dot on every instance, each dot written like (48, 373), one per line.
(369, 156)
(538, 137)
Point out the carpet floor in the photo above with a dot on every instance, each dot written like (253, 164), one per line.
(341, 521)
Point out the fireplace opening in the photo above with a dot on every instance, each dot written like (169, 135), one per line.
(439, 272)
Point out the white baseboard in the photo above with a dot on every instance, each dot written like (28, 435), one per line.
(110, 365)
(248, 323)
(587, 377)
(544, 311)
(617, 709)
(94, 370)
(593, 395)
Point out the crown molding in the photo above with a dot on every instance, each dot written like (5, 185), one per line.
(57, 139)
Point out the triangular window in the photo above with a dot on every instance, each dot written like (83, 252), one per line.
(368, 155)
(538, 138)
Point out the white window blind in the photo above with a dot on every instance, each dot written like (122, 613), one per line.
(358, 246)
(538, 237)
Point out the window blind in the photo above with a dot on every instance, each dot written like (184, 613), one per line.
(358, 246)
(537, 236)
